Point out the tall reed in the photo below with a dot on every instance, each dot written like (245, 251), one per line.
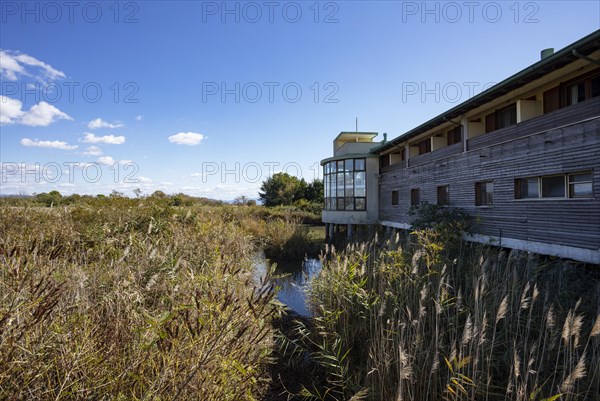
(416, 323)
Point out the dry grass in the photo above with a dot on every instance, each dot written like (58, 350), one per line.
(131, 300)
(492, 325)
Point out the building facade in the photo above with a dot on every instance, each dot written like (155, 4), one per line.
(523, 158)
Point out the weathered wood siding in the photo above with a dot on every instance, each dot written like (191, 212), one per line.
(533, 148)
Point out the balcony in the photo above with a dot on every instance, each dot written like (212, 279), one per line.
(567, 115)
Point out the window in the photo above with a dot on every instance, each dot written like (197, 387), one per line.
(527, 188)
(585, 88)
(454, 135)
(506, 117)
(395, 198)
(580, 185)
(424, 146)
(443, 195)
(501, 118)
(415, 197)
(553, 186)
(484, 193)
(345, 185)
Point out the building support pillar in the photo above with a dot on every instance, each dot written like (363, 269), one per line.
(349, 231)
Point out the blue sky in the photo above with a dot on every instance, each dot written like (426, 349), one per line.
(209, 98)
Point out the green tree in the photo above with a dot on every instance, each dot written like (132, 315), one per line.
(314, 191)
(282, 189)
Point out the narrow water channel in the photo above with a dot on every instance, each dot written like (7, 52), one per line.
(291, 279)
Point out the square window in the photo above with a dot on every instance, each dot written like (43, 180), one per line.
(395, 198)
(443, 195)
(527, 188)
(359, 164)
(553, 186)
(360, 203)
(506, 117)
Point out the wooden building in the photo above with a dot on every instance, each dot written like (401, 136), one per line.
(522, 157)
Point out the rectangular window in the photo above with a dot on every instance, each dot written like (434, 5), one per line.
(359, 164)
(575, 93)
(484, 193)
(384, 161)
(580, 185)
(553, 186)
(506, 117)
(395, 198)
(443, 195)
(454, 136)
(527, 188)
(424, 146)
(415, 197)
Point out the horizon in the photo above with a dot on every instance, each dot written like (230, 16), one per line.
(210, 99)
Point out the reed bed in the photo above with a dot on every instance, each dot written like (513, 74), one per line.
(126, 299)
(416, 323)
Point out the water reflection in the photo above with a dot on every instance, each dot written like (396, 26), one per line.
(294, 281)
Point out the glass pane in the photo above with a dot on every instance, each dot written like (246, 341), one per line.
(360, 203)
(529, 188)
(359, 184)
(340, 184)
(349, 203)
(349, 180)
(553, 187)
(349, 165)
(332, 166)
(340, 203)
(583, 190)
(332, 203)
(359, 164)
(340, 166)
(584, 177)
(489, 188)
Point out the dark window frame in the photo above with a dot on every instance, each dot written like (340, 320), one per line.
(482, 193)
(395, 197)
(415, 196)
(443, 195)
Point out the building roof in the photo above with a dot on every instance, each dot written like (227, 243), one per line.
(573, 52)
(352, 136)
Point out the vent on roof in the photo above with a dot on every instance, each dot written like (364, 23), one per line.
(547, 53)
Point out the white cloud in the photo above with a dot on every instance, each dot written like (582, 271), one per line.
(107, 161)
(195, 175)
(139, 118)
(187, 138)
(107, 139)
(144, 180)
(10, 110)
(99, 123)
(93, 151)
(40, 115)
(14, 64)
(47, 144)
